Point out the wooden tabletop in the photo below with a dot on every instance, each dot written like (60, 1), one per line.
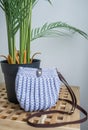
(12, 117)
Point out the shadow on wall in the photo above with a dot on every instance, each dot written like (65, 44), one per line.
(1, 76)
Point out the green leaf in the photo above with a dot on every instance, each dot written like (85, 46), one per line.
(49, 1)
(55, 29)
(2, 5)
(34, 2)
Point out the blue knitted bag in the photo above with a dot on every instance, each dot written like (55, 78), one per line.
(37, 89)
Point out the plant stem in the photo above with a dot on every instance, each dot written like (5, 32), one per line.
(29, 33)
(21, 43)
(11, 40)
(13, 49)
(10, 35)
(22, 38)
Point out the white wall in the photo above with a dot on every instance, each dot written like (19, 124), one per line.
(69, 55)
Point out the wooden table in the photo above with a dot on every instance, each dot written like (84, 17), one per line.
(12, 117)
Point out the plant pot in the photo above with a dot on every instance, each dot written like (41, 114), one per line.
(10, 71)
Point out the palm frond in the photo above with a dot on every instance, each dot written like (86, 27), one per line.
(49, 1)
(2, 5)
(55, 29)
(18, 17)
(34, 2)
(15, 12)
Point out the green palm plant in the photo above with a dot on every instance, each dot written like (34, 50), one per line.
(18, 15)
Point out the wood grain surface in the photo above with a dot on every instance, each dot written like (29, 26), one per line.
(12, 117)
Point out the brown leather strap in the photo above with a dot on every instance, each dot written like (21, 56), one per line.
(74, 106)
(73, 97)
(57, 111)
